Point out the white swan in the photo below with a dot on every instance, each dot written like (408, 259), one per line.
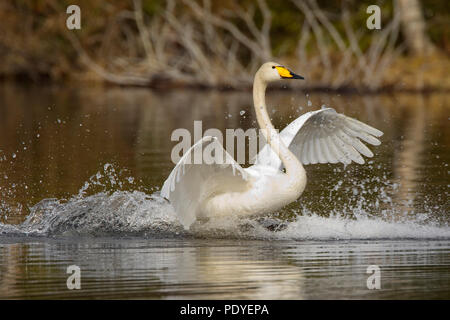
(225, 188)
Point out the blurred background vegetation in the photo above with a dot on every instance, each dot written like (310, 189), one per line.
(220, 44)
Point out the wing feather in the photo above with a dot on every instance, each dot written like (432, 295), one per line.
(188, 184)
(365, 127)
(305, 147)
(329, 157)
(319, 151)
(311, 151)
(348, 145)
(325, 136)
(339, 148)
(357, 143)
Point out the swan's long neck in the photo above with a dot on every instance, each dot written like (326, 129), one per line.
(289, 160)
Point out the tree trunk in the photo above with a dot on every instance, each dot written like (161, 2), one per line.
(413, 27)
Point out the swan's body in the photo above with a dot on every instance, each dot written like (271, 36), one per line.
(225, 188)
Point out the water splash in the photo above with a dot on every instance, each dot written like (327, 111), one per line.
(105, 206)
(120, 213)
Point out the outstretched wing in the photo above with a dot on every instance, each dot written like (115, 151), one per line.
(188, 183)
(324, 136)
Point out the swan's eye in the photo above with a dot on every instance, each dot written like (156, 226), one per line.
(273, 67)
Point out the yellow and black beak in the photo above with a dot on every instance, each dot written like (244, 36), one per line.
(287, 74)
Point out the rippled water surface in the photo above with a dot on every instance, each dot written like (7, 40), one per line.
(224, 269)
(81, 168)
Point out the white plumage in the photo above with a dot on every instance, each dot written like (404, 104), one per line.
(189, 185)
(224, 188)
(324, 136)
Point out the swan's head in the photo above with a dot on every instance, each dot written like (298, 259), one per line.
(272, 71)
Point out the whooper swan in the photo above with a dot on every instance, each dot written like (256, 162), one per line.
(225, 188)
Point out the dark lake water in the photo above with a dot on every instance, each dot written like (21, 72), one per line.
(81, 169)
